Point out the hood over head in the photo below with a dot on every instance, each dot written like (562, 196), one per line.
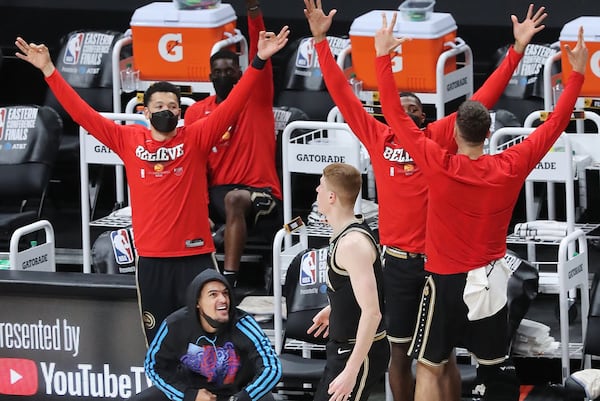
(193, 291)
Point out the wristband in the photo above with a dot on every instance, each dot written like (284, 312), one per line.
(258, 63)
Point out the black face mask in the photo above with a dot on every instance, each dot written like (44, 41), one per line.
(214, 323)
(223, 86)
(164, 121)
(416, 119)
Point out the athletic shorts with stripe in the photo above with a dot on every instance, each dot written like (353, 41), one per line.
(162, 284)
(266, 214)
(370, 374)
(443, 325)
(403, 286)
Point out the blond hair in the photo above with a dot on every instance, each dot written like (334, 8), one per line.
(345, 180)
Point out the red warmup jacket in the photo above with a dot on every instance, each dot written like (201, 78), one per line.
(167, 179)
(470, 201)
(401, 185)
(246, 153)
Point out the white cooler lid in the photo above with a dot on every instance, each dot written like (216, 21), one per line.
(438, 25)
(591, 29)
(166, 14)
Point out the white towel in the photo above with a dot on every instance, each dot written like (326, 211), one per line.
(589, 379)
(541, 230)
(485, 289)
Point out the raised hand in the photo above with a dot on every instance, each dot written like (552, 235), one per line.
(269, 43)
(578, 56)
(318, 22)
(36, 55)
(385, 42)
(524, 31)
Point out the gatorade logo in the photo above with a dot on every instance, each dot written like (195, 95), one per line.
(170, 47)
(397, 62)
(18, 376)
(595, 63)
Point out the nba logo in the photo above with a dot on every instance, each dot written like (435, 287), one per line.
(308, 268)
(305, 57)
(122, 246)
(73, 49)
(2, 120)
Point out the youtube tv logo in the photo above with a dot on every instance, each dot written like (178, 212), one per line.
(18, 376)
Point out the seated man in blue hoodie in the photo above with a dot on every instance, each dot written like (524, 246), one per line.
(210, 351)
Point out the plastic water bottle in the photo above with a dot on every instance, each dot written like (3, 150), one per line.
(356, 84)
(557, 90)
(129, 79)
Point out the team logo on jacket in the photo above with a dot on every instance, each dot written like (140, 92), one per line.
(163, 154)
(398, 155)
(401, 163)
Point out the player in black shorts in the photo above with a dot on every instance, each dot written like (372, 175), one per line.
(358, 352)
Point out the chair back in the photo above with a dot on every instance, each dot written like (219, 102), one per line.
(283, 116)
(29, 137)
(114, 252)
(591, 344)
(303, 86)
(85, 61)
(305, 292)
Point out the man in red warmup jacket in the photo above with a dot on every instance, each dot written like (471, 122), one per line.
(244, 189)
(402, 188)
(166, 170)
(471, 199)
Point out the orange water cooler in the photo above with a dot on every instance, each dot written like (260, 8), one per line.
(175, 45)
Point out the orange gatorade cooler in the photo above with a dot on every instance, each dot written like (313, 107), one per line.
(175, 45)
(591, 35)
(415, 61)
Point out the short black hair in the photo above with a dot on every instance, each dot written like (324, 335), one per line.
(225, 54)
(473, 121)
(413, 95)
(162, 86)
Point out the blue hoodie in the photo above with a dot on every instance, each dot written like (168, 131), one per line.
(237, 360)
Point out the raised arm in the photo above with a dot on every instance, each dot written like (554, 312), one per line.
(82, 113)
(224, 116)
(540, 141)
(523, 32)
(425, 152)
(526, 30)
(256, 24)
(362, 123)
